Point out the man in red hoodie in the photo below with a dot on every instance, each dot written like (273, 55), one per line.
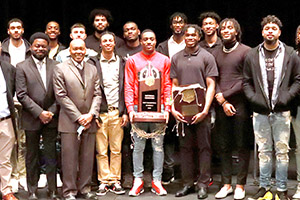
(155, 65)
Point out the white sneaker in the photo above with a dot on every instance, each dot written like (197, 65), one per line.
(297, 193)
(14, 183)
(158, 189)
(42, 181)
(58, 181)
(137, 188)
(23, 183)
(239, 193)
(224, 192)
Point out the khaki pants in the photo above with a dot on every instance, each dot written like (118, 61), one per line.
(19, 150)
(7, 139)
(110, 134)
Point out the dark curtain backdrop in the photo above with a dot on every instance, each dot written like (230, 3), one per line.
(150, 14)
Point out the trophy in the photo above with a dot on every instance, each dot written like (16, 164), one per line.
(189, 100)
(149, 102)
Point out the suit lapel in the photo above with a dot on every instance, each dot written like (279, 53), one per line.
(48, 72)
(74, 69)
(36, 72)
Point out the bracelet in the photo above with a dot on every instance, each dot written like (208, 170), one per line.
(224, 103)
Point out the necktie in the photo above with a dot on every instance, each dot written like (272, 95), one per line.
(42, 71)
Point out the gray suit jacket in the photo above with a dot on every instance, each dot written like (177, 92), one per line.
(33, 95)
(74, 96)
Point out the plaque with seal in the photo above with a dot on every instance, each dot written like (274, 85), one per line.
(189, 100)
(149, 100)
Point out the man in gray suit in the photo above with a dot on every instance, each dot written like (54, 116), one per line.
(77, 90)
(34, 90)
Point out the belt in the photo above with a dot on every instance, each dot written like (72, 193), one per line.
(4, 118)
(111, 108)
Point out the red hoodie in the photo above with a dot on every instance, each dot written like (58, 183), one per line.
(135, 64)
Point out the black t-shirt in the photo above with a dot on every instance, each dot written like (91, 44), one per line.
(270, 68)
(230, 66)
(125, 51)
(193, 68)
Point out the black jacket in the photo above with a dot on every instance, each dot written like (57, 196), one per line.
(104, 108)
(5, 56)
(289, 86)
(163, 48)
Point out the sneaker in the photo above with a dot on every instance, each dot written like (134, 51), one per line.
(239, 193)
(168, 181)
(158, 189)
(224, 192)
(58, 181)
(14, 183)
(281, 196)
(262, 193)
(23, 183)
(117, 188)
(297, 193)
(42, 181)
(138, 187)
(102, 190)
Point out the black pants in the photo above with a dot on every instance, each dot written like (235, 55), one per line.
(169, 149)
(32, 157)
(233, 134)
(195, 146)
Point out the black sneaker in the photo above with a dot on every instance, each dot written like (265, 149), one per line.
(263, 194)
(168, 181)
(102, 190)
(117, 188)
(281, 196)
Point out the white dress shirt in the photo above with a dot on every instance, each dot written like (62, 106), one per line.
(41, 66)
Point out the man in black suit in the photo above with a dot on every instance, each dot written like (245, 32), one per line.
(7, 116)
(34, 90)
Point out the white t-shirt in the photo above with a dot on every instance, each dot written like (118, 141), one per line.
(17, 54)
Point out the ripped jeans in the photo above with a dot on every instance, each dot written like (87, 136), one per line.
(139, 147)
(273, 130)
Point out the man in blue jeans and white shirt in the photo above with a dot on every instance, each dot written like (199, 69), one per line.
(271, 81)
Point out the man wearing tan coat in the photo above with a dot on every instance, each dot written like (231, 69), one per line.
(76, 86)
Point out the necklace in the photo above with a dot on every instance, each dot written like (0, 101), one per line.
(231, 49)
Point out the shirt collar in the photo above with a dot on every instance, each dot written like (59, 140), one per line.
(280, 47)
(78, 65)
(39, 61)
(192, 54)
(113, 58)
(173, 41)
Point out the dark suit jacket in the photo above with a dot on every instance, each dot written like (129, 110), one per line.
(9, 73)
(74, 96)
(33, 95)
(104, 108)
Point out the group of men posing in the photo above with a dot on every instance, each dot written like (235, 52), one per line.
(91, 94)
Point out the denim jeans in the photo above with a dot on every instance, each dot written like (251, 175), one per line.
(269, 130)
(296, 127)
(138, 153)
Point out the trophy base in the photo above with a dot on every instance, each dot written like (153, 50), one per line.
(149, 117)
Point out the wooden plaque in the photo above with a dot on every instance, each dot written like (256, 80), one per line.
(189, 100)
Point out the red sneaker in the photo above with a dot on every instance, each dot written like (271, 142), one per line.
(158, 189)
(137, 188)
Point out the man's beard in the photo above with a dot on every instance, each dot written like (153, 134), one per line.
(178, 33)
(270, 42)
(100, 31)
